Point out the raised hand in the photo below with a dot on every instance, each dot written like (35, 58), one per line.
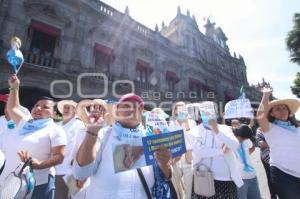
(267, 91)
(163, 156)
(214, 125)
(13, 81)
(96, 118)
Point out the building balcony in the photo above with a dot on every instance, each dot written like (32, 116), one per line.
(40, 59)
(144, 86)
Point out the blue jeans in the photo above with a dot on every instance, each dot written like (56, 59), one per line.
(249, 190)
(286, 186)
(45, 191)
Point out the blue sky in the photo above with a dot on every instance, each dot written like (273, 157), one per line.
(256, 29)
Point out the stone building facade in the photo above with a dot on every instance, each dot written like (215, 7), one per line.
(66, 42)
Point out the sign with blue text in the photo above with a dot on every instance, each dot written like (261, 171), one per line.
(172, 140)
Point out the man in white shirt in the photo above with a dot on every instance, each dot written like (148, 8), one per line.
(99, 164)
(72, 126)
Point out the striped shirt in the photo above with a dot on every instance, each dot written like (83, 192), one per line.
(264, 152)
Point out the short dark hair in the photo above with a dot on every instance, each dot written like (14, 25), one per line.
(45, 98)
(243, 131)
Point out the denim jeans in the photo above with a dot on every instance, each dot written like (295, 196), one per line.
(45, 191)
(286, 186)
(249, 190)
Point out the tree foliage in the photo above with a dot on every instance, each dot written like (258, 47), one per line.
(293, 45)
(293, 40)
(296, 87)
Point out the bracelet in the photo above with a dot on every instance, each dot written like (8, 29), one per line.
(14, 89)
(92, 134)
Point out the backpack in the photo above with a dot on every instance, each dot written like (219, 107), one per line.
(20, 183)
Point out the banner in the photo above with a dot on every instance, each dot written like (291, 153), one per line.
(239, 108)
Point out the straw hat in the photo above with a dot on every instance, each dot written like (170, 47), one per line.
(82, 105)
(62, 103)
(293, 104)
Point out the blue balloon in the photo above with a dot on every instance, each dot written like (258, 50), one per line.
(15, 58)
(11, 124)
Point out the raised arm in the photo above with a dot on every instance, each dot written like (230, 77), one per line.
(13, 103)
(262, 111)
(227, 138)
(88, 150)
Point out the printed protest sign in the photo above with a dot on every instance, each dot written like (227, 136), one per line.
(156, 123)
(127, 156)
(173, 140)
(193, 111)
(239, 108)
(140, 152)
(208, 111)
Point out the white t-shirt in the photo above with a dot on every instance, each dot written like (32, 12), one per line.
(38, 144)
(2, 160)
(246, 175)
(284, 149)
(122, 185)
(72, 128)
(205, 151)
(175, 126)
(3, 124)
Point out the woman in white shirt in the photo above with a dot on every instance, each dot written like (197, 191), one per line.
(39, 138)
(283, 137)
(72, 126)
(180, 121)
(214, 147)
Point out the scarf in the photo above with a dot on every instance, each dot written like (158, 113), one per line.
(162, 189)
(129, 133)
(286, 125)
(34, 125)
(242, 154)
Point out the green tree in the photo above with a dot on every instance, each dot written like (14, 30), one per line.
(296, 87)
(293, 40)
(293, 45)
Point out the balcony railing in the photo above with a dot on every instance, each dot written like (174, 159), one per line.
(39, 59)
(144, 86)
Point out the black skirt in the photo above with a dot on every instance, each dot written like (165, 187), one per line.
(224, 190)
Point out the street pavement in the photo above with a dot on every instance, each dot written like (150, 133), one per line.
(261, 175)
